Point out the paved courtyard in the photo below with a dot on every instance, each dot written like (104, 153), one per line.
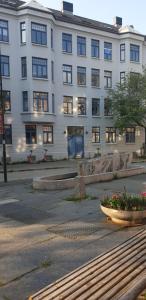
(43, 236)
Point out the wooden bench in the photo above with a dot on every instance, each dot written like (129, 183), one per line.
(119, 274)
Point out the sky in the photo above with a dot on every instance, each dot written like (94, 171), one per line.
(132, 12)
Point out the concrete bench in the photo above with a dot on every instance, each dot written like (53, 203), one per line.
(119, 274)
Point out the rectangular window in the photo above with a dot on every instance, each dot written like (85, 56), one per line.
(68, 105)
(25, 100)
(81, 76)
(122, 52)
(4, 34)
(107, 107)
(122, 77)
(95, 107)
(53, 104)
(95, 48)
(30, 133)
(8, 135)
(38, 34)
(52, 70)
(81, 46)
(95, 134)
(67, 42)
(110, 135)
(52, 39)
(48, 134)
(107, 79)
(23, 32)
(130, 135)
(107, 51)
(5, 66)
(81, 106)
(95, 78)
(23, 67)
(7, 100)
(134, 52)
(40, 101)
(67, 74)
(39, 67)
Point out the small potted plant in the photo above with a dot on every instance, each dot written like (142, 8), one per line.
(125, 208)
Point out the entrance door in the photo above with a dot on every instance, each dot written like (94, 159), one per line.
(75, 142)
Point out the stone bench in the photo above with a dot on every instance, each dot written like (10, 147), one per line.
(119, 274)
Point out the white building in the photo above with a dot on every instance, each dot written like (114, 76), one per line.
(56, 70)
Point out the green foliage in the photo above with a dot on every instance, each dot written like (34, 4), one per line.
(125, 201)
(128, 101)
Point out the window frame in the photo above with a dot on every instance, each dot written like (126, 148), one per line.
(42, 34)
(48, 134)
(122, 52)
(130, 136)
(107, 51)
(3, 64)
(2, 29)
(81, 76)
(134, 54)
(34, 131)
(25, 98)
(110, 135)
(8, 137)
(23, 33)
(82, 103)
(24, 67)
(7, 98)
(96, 135)
(107, 108)
(66, 42)
(96, 108)
(68, 105)
(81, 46)
(95, 48)
(122, 77)
(67, 74)
(107, 79)
(95, 77)
(39, 103)
(41, 67)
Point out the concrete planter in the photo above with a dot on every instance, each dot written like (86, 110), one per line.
(122, 217)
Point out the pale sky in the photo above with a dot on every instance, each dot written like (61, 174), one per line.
(133, 12)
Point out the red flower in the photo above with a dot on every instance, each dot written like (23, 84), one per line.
(143, 194)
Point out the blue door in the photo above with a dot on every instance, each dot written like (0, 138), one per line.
(75, 146)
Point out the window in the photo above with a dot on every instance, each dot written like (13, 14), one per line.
(81, 46)
(67, 43)
(107, 79)
(81, 76)
(95, 134)
(95, 48)
(30, 132)
(7, 100)
(8, 135)
(5, 67)
(134, 53)
(95, 107)
(23, 33)
(122, 77)
(81, 106)
(39, 67)
(130, 135)
(39, 34)
(52, 71)
(4, 34)
(110, 135)
(25, 100)
(95, 77)
(40, 101)
(107, 51)
(122, 52)
(107, 107)
(67, 74)
(23, 67)
(53, 104)
(68, 105)
(48, 134)
(52, 39)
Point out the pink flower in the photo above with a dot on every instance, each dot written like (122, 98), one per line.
(143, 194)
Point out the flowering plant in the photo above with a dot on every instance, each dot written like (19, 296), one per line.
(125, 201)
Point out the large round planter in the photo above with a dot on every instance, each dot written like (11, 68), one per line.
(127, 218)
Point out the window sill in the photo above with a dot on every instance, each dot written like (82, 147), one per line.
(122, 61)
(68, 115)
(70, 84)
(111, 143)
(23, 78)
(39, 78)
(108, 60)
(135, 62)
(95, 143)
(4, 42)
(108, 117)
(47, 144)
(95, 87)
(37, 112)
(84, 116)
(94, 57)
(80, 85)
(42, 45)
(80, 55)
(6, 77)
(68, 53)
(130, 143)
(23, 44)
(96, 116)
(107, 88)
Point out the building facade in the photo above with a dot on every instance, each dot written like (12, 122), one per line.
(56, 71)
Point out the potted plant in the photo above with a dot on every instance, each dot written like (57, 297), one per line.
(125, 208)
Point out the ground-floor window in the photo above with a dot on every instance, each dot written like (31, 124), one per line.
(8, 135)
(68, 105)
(130, 135)
(31, 135)
(110, 135)
(95, 134)
(47, 134)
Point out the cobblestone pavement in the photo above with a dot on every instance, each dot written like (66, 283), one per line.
(43, 236)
